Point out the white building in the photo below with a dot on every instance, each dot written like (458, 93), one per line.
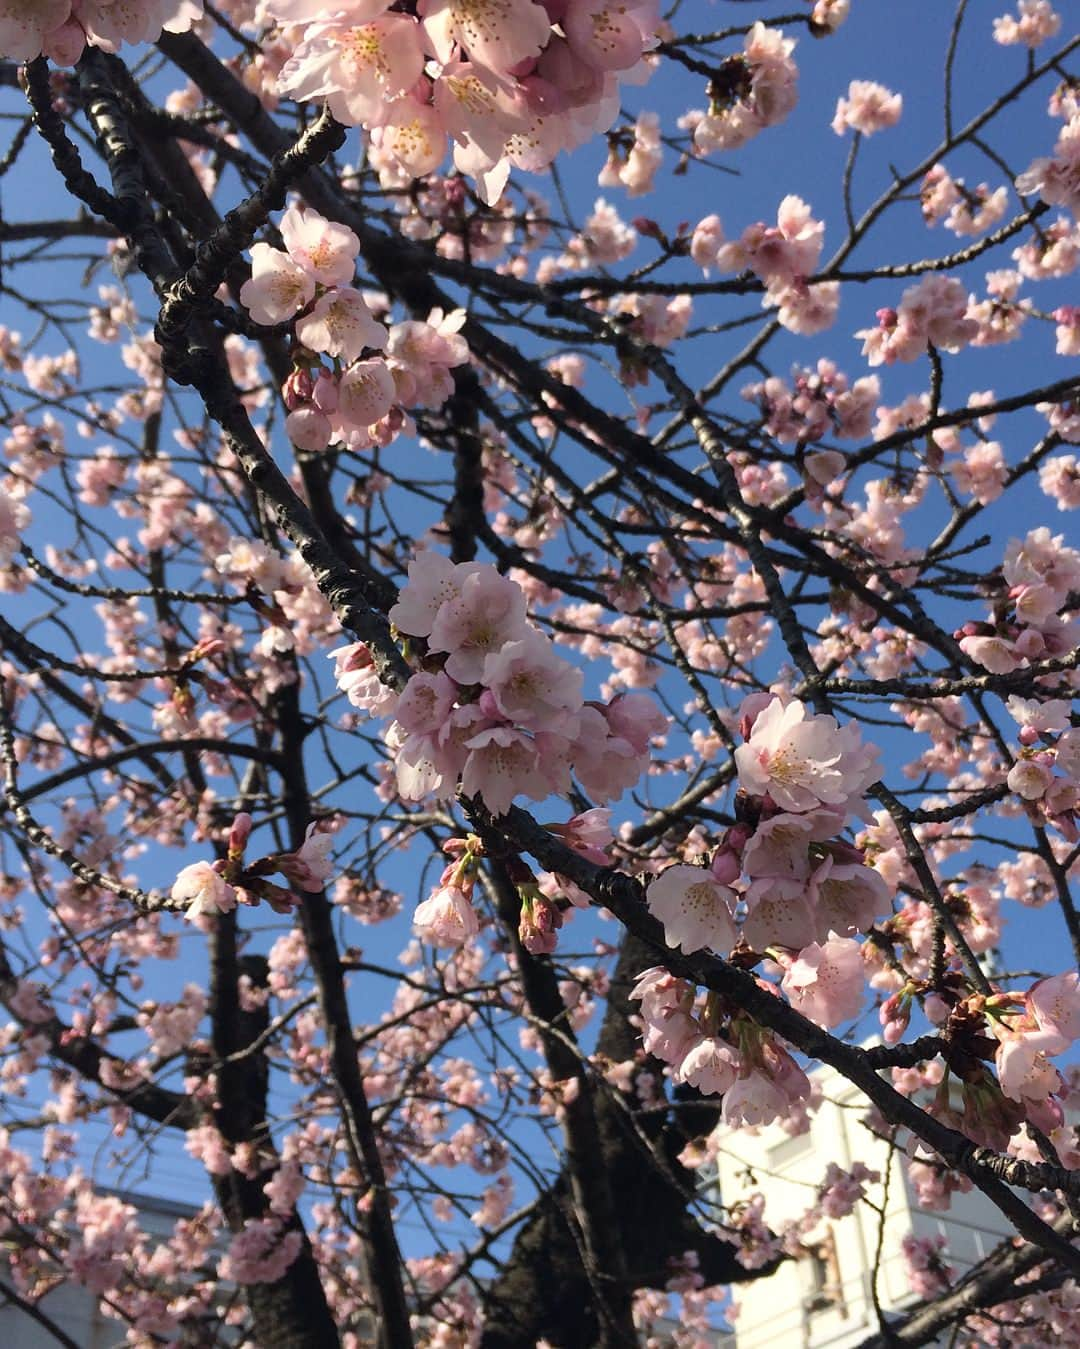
(72, 1309)
(827, 1298)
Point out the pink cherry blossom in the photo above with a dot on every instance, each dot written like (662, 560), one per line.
(531, 685)
(356, 676)
(1037, 23)
(15, 517)
(605, 764)
(413, 134)
(1057, 177)
(260, 1253)
(366, 393)
(869, 107)
(311, 866)
(611, 34)
(446, 918)
(779, 914)
(324, 248)
(1024, 1070)
(279, 287)
(204, 890)
(710, 1065)
(26, 24)
(848, 897)
(825, 982)
(487, 612)
(753, 1100)
(359, 68)
(425, 703)
(496, 34)
(341, 324)
(802, 761)
(1055, 1003)
(696, 910)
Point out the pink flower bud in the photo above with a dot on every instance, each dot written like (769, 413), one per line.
(1030, 644)
(325, 393)
(725, 866)
(297, 389)
(240, 833)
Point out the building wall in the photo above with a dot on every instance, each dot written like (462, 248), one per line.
(829, 1301)
(72, 1307)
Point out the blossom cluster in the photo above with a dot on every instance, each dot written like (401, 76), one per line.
(61, 28)
(933, 311)
(508, 82)
(210, 888)
(1031, 1029)
(1039, 573)
(1056, 177)
(1048, 742)
(965, 211)
(817, 402)
(783, 879)
(757, 1077)
(781, 882)
(494, 708)
(754, 90)
(783, 256)
(356, 401)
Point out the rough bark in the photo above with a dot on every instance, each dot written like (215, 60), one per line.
(543, 1289)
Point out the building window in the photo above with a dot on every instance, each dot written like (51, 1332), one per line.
(821, 1277)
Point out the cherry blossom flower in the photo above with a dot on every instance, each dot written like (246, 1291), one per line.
(311, 866)
(848, 897)
(487, 612)
(366, 392)
(356, 676)
(433, 579)
(260, 1253)
(531, 685)
(1029, 778)
(934, 310)
(636, 168)
(803, 762)
(1059, 478)
(496, 34)
(25, 25)
(426, 702)
(359, 68)
(927, 1270)
(446, 918)
(710, 1065)
(825, 982)
(696, 910)
(1037, 23)
(763, 96)
(1055, 1004)
(754, 1099)
(503, 763)
(204, 890)
(14, 518)
(1057, 177)
(869, 107)
(341, 324)
(777, 254)
(611, 34)
(279, 286)
(1052, 714)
